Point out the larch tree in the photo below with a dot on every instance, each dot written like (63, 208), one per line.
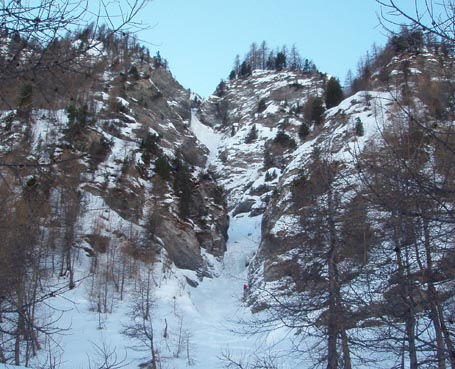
(264, 54)
(35, 32)
(401, 175)
(47, 42)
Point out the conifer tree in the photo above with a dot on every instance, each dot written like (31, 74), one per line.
(333, 93)
(262, 106)
(236, 68)
(304, 130)
(182, 187)
(245, 70)
(25, 101)
(359, 130)
(252, 134)
(308, 66)
(220, 89)
(134, 73)
(280, 61)
(270, 63)
(314, 110)
(157, 60)
(162, 167)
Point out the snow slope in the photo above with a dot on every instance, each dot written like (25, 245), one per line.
(203, 323)
(206, 135)
(207, 316)
(217, 314)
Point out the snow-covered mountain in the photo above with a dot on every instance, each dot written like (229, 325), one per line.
(255, 229)
(97, 191)
(259, 118)
(349, 206)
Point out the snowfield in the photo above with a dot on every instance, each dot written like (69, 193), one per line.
(204, 323)
(206, 135)
(207, 316)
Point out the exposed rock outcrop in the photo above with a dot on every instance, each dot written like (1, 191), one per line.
(140, 172)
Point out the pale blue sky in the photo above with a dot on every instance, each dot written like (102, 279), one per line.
(200, 38)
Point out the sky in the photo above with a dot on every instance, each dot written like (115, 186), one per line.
(200, 38)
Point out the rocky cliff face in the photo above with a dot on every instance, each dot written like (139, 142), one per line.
(344, 211)
(126, 153)
(259, 118)
(329, 198)
(320, 185)
(355, 203)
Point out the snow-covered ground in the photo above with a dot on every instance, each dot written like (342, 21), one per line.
(202, 323)
(207, 316)
(206, 135)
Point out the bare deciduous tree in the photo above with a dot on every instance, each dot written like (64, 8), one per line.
(106, 357)
(141, 327)
(435, 17)
(40, 53)
(252, 361)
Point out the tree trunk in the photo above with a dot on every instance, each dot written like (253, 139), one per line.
(434, 298)
(332, 331)
(447, 337)
(410, 321)
(408, 304)
(345, 347)
(334, 290)
(437, 327)
(152, 347)
(2, 356)
(19, 330)
(69, 267)
(410, 332)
